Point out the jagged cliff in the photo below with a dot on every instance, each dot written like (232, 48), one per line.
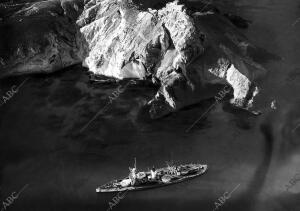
(185, 50)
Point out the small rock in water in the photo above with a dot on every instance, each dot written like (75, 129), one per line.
(274, 105)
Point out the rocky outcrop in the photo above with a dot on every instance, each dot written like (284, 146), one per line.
(38, 37)
(186, 50)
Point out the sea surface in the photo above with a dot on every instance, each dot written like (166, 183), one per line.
(59, 140)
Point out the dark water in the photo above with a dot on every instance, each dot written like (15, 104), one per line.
(41, 144)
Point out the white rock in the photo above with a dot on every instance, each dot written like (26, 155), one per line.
(184, 52)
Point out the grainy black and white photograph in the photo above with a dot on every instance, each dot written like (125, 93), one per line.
(149, 105)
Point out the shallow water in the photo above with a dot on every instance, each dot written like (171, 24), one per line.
(41, 144)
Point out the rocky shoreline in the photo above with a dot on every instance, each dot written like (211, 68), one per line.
(187, 51)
